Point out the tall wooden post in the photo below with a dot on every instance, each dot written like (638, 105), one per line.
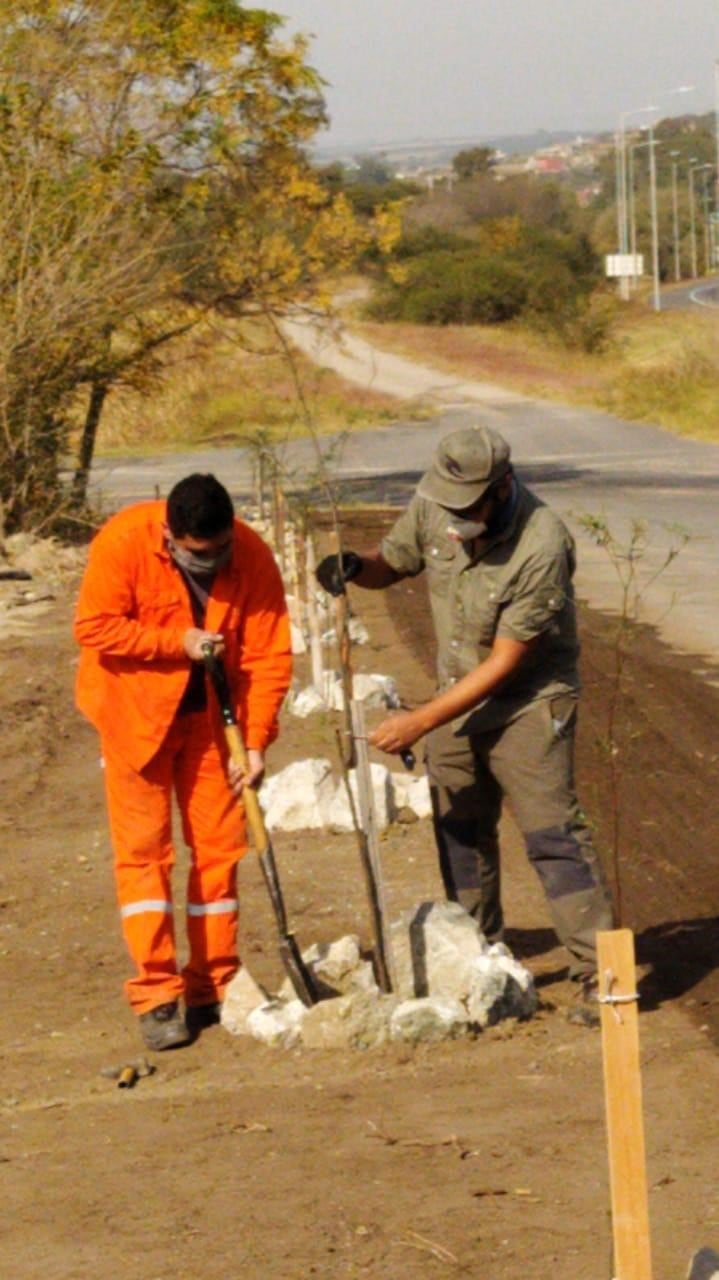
(623, 1099)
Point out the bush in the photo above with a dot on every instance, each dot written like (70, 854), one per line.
(454, 288)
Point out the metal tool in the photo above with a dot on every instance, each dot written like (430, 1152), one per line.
(300, 976)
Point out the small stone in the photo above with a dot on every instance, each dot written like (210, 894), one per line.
(277, 1023)
(242, 995)
(358, 1021)
(429, 1019)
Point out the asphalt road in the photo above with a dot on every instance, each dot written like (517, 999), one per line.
(679, 298)
(581, 461)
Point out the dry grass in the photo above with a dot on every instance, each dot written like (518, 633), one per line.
(214, 391)
(661, 368)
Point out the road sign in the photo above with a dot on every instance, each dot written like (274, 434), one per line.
(624, 264)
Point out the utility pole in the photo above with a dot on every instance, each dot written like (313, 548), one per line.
(675, 216)
(655, 225)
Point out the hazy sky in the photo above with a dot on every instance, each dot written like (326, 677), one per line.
(398, 69)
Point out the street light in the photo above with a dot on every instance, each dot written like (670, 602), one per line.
(633, 146)
(622, 203)
(675, 215)
(622, 211)
(705, 209)
(693, 168)
(655, 223)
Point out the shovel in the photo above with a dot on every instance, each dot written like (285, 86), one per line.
(300, 976)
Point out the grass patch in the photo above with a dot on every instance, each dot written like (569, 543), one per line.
(660, 367)
(222, 388)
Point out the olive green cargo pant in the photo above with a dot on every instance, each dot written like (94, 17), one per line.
(531, 762)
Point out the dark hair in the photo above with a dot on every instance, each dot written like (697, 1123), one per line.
(199, 506)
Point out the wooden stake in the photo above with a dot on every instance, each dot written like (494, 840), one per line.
(340, 606)
(313, 621)
(368, 822)
(623, 1100)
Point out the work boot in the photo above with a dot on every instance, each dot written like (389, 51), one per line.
(584, 1008)
(201, 1016)
(164, 1027)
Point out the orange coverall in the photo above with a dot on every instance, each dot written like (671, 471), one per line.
(132, 614)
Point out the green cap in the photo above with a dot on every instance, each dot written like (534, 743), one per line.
(465, 464)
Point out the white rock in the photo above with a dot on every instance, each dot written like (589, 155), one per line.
(434, 946)
(357, 1021)
(277, 1023)
(297, 638)
(340, 816)
(410, 792)
(242, 995)
(374, 690)
(333, 961)
(358, 632)
(306, 702)
(501, 988)
(429, 1019)
(299, 797)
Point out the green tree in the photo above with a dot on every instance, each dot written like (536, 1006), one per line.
(153, 167)
(472, 161)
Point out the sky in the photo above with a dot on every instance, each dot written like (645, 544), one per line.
(403, 69)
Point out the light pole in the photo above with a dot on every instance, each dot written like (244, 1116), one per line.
(675, 215)
(655, 223)
(633, 146)
(705, 210)
(692, 218)
(622, 209)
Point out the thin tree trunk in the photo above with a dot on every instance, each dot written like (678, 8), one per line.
(86, 451)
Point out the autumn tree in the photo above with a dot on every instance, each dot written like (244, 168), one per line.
(153, 170)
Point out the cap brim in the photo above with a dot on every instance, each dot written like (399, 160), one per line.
(456, 497)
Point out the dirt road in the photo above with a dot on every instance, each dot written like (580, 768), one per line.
(483, 1158)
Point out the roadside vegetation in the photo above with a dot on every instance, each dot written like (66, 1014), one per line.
(153, 175)
(661, 368)
(225, 384)
(501, 277)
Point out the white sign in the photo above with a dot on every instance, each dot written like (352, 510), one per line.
(624, 264)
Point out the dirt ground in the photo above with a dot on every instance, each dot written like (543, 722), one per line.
(483, 1158)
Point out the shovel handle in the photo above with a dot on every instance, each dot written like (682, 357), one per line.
(250, 800)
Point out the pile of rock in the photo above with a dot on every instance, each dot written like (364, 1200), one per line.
(307, 796)
(449, 982)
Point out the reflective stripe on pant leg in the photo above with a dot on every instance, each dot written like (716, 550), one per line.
(534, 761)
(213, 827)
(466, 804)
(139, 815)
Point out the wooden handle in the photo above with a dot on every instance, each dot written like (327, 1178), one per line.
(250, 799)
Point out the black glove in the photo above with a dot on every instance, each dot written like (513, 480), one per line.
(332, 578)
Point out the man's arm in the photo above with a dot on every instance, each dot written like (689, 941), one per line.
(405, 727)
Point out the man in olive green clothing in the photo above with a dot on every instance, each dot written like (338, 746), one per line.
(499, 567)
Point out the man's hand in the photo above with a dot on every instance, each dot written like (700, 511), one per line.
(398, 731)
(239, 778)
(194, 639)
(332, 577)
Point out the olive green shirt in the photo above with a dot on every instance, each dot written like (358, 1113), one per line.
(516, 584)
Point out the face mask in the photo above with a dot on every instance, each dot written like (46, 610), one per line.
(466, 530)
(191, 562)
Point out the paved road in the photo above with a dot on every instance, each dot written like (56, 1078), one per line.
(581, 461)
(691, 295)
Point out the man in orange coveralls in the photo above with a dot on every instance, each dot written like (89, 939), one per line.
(162, 580)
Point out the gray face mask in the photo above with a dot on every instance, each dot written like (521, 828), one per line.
(466, 530)
(191, 562)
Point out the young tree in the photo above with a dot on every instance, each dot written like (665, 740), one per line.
(152, 168)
